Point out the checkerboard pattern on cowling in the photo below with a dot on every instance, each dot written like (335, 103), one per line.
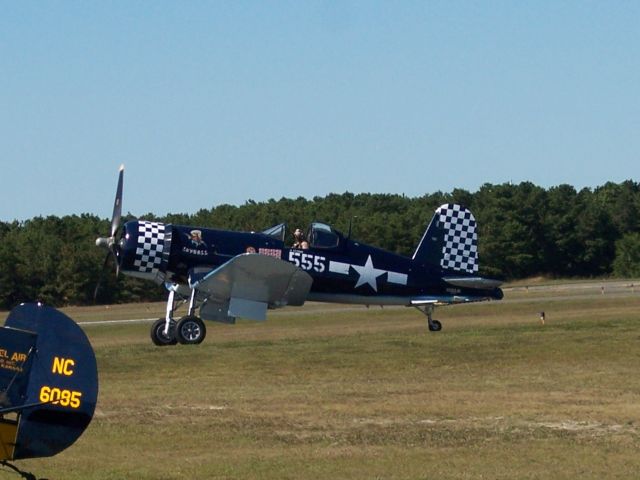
(460, 250)
(150, 246)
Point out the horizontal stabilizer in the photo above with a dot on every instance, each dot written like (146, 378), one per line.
(425, 301)
(439, 300)
(473, 282)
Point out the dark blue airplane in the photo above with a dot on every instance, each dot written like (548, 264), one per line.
(227, 274)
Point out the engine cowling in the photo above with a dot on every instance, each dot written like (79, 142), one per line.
(144, 249)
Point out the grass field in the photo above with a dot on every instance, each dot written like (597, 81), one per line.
(364, 393)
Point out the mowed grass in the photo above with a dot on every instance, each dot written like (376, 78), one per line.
(370, 393)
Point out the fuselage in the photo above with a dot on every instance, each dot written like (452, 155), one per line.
(343, 270)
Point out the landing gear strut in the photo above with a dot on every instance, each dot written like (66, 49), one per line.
(189, 330)
(427, 310)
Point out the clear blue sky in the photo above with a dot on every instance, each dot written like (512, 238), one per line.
(220, 102)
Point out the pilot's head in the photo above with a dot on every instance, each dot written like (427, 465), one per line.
(298, 234)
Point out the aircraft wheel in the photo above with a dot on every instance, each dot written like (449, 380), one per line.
(157, 333)
(190, 330)
(435, 326)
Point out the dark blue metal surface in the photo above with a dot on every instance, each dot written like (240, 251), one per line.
(58, 385)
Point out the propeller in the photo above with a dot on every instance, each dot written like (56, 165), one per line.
(110, 242)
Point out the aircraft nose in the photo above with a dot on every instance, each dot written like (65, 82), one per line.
(102, 242)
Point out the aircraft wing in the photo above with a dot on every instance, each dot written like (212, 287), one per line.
(250, 283)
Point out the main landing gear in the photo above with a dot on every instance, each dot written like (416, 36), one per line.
(427, 310)
(158, 336)
(189, 330)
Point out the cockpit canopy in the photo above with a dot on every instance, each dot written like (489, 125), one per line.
(319, 235)
(277, 231)
(322, 235)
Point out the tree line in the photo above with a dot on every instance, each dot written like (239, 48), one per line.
(524, 230)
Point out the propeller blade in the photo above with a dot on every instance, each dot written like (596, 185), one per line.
(115, 259)
(117, 204)
(110, 243)
(104, 267)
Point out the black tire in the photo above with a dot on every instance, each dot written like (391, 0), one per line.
(435, 326)
(157, 333)
(190, 330)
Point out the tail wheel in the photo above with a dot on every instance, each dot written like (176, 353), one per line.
(435, 326)
(190, 330)
(157, 333)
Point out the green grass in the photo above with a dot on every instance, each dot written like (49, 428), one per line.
(371, 394)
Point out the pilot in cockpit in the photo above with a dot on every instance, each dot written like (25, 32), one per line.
(299, 240)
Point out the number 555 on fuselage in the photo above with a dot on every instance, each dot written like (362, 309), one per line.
(227, 274)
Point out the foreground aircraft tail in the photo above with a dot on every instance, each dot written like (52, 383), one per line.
(48, 383)
(451, 241)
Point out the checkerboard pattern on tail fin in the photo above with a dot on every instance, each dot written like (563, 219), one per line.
(451, 240)
(460, 249)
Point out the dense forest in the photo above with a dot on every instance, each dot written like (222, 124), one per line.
(524, 231)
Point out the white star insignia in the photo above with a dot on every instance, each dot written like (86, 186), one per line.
(368, 274)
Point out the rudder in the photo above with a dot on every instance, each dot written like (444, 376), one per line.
(48, 378)
(451, 240)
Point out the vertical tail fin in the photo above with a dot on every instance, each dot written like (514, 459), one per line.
(451, 240)
(48, 378)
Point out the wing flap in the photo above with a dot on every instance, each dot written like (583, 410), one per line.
(243, 308)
